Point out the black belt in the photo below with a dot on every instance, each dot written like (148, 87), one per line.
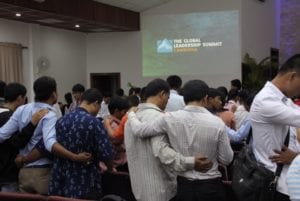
(184, 180)
(39, 166)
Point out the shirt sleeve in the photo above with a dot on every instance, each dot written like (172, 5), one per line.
(241, 133)
(49, 132)
(283, 114)
(11, 126)
(146, 129)
(161, 149)
(225, 153)
(101, 143)
(21, 139)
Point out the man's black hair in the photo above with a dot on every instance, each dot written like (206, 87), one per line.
(236, 83)
(43, 88)
(156, 86)
(120, 92)
(174, 81)
(194, 90)
(2, 85)
(78, 88)
(92, 95)
(117, 103)
(13, 90)
(293, 63)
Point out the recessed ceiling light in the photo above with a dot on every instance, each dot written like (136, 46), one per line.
(18, 15)
(77, 26)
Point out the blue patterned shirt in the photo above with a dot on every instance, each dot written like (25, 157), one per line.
(78, 132)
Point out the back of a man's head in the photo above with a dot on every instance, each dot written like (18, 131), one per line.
(2, 86)
(78, 88)
(43, 88)
(292, 64)
(92, 95)
(236, 83)
(120, 92)
(156, 86)
(174, 81)
(117, 103)
(13, 90)
(194, 90)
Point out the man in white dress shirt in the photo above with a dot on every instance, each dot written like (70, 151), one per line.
(151, 161)
(175, 101)
(271, 115)
(191, 131)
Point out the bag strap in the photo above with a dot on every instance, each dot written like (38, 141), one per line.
(280, 165)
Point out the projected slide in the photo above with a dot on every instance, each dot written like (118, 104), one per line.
(191, 44)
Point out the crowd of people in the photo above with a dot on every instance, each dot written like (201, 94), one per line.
(170, 138)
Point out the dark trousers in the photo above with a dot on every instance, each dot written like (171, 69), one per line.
(200, 190)
(281, 197)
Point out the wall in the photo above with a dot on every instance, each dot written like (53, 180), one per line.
(122, 52)
(259, 28)
(66, 51)
(290, 28)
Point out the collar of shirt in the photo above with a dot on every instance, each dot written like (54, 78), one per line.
(145, 106)
(172, 91)
(194, 108)
(276, 91)
(44, 105)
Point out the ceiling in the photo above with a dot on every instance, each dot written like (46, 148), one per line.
(134, 5)
(90, 15)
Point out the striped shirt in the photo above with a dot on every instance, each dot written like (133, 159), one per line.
(293, 179)
(152, 162)
(191, 131)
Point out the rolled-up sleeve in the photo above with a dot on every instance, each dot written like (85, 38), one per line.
(49, 132)
(169, 157)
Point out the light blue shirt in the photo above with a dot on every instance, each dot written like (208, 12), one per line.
(293, 179)
(45, 128)
(241, 133)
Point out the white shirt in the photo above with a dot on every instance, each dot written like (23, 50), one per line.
(271, 115)
(103, 112)
(152, 162)
(175, 102)
(191, 131)
(240, 115)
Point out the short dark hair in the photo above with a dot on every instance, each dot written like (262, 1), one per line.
(143, 95)
(120, 92)
(293, 63)
(43, 88)
(68, 98)
(232, 94)
(13, 90)
(194, 90)
(137, 90)
(2, 86)
(236, 83)
(92, 95)
(223, 90)
(133, 100)
(243, 95)
(156, 86)
(78, 88)
(174, 81)
(117, 103)
(212, 93)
